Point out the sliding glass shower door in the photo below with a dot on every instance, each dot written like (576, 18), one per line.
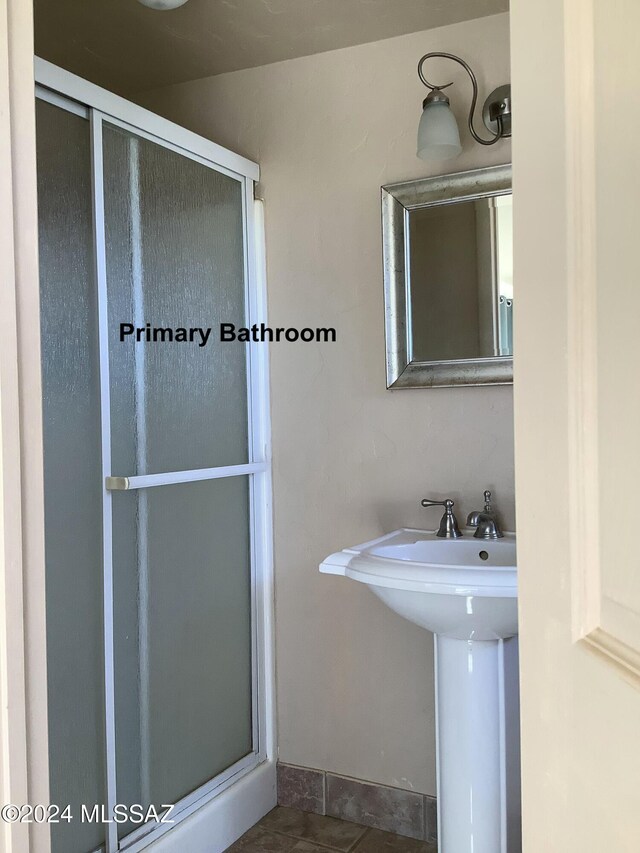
(156, 476)
(72, 472)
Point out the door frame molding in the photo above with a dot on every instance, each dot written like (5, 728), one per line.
(588, 603)
(24, 767)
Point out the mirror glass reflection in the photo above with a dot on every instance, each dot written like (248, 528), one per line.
(460, 279)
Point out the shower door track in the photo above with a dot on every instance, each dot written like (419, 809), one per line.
(76, 95)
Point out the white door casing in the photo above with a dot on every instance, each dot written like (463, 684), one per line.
(576, 70)
(603, 73)
(24, 767)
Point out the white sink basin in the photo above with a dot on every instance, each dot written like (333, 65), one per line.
(463, 588)
(465, 591)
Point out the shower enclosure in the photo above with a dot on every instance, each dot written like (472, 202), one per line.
(157, 478)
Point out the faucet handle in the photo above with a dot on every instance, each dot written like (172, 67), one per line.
(487, 501)
(447, 503)
(448, 523)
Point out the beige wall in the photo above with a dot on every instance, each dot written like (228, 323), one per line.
(352, 460)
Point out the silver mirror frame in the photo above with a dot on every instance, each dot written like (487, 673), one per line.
(397, 202)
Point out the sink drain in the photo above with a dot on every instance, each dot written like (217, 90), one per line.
(483, 555)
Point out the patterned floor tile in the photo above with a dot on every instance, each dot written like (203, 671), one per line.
(258, 840)
(377, 841)
(325, 831)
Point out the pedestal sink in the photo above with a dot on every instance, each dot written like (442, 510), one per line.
(465, 591)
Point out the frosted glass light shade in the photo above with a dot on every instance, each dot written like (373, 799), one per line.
(162, 5)
(438, 135)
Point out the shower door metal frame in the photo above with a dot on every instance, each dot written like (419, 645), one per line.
(99, 106)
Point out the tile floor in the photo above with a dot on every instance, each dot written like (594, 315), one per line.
(286, 830)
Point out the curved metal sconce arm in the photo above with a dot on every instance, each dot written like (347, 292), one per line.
(498, 118)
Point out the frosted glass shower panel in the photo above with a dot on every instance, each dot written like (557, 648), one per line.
(183, 647)
(153, 583)
(175, 260)
(72, 474)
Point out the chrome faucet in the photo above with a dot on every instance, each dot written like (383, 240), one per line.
(485, 521)
(448, 523)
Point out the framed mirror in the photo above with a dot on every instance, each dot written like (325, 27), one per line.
(448, 280)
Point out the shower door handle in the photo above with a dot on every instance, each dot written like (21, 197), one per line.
(116, 484)
(145, 481)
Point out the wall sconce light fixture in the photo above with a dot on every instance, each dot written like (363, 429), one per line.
(438, 135)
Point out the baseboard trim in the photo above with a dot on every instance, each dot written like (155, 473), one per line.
(396, 810)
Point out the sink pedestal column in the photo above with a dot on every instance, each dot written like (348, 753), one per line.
(478, 751)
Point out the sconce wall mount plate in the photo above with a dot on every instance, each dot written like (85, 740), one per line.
(498, 104)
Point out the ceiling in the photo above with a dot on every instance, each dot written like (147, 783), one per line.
(128, 48)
